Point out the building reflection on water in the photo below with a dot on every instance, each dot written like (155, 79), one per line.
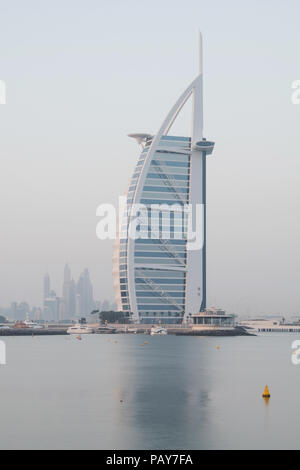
(166, 395)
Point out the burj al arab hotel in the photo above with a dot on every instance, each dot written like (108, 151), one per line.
(157, 278)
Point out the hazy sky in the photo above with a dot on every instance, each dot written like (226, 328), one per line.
(81, 75)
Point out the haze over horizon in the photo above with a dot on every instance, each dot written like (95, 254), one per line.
(80, 76)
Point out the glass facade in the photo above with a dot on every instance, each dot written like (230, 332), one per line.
(160, 256)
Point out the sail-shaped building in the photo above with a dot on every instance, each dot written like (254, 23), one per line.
(157, 278)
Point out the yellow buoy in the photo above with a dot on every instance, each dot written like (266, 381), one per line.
(266, 393)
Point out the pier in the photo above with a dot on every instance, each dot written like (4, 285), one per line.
(33, 331)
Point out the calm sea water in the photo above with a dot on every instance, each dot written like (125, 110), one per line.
(172, 393)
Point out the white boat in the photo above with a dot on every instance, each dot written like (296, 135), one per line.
(79, 329)
(31, 324)
(131, 330)
(158, 330)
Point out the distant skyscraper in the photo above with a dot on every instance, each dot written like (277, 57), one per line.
(69, 293)
(47, 286)
(78, 305)
(72, 298)
(67, 273)
(51, 307)
(37, 314)
(19, 311)
(77, 298)
(85, 300)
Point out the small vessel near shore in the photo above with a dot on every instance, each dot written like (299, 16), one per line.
(31, 324)
(27, 324)
(105, 330)
(158, 330)
(132, 331)
(80, 329)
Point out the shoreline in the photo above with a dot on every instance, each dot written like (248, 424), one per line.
(237, 331)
